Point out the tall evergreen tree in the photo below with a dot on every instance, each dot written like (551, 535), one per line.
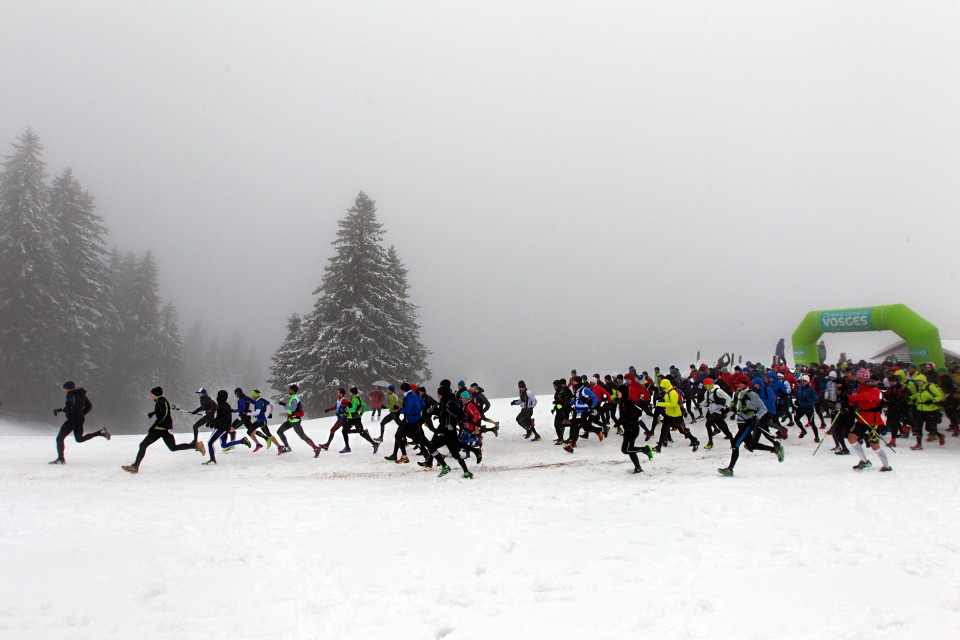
(31, 279)
(352, 335)
(193, 357)
(80, 247)
(287, 360)
(135, 357)
(413, 363)
(169, 365)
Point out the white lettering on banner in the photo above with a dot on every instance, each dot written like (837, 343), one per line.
(848, 320)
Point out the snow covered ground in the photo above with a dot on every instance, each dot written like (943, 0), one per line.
(541, 544)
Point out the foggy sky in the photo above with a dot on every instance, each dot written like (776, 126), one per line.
(570, 184)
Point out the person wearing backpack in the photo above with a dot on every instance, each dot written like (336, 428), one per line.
(354, 424)
(76, 406)
(631, 418)
(452, 415)
(483, 404)
(263, 410)
(562, 399)
(672, 402)
(927, 402)
(584, 407)
(222, 427)
(393, 410)
(717, 404)
(294, 406)
(412, 413)
(243, 411)
(208, 408)
(340, 406)
(807, 400)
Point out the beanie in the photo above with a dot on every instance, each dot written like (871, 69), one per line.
(157, 391)
(707, 382)
(69, 384)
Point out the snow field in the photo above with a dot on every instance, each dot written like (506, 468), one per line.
(541, 544)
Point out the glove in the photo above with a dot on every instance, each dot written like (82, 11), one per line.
(195, 412)
(270, 416)
(56, 411)
(150, 415)
(515, 402)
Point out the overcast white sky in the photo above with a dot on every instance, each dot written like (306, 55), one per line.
(589, 184)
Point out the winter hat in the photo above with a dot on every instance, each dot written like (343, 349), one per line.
(294, 388)
(157, 391)
(462, 384)
(255, 393)
(832, 375)
(708, 382)
(392, 388)
(413, 387)
(69, 384)
(202, 391)
(354, 391)
(863, 375)
(804, 378)
(920, 378)
(465, 394)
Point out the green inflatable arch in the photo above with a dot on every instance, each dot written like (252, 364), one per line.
(923, 339)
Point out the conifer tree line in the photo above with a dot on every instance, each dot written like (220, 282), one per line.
(363, 327)
(71, 309)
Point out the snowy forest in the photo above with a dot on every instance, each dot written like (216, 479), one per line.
(72, 309)
(362, 328)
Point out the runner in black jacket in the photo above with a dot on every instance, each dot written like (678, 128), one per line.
(76, 406)
(160, 430)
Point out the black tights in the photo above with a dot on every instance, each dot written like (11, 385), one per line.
(355, 425)
(160, 434)
(674, 421)
(75, 427)
(298, 429)
(560, 422)
(629, 447)
(446, 437)
(748, 435)
(716, 424)
(202, 422)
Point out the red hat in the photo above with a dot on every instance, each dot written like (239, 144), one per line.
(708, 381)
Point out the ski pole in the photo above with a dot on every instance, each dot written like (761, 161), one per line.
(828, 431)
(873, 430)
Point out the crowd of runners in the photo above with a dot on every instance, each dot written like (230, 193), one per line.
(751, 406)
